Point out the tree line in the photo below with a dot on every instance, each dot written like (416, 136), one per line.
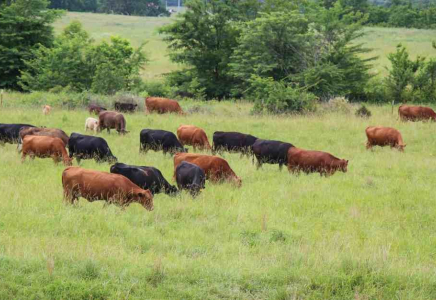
(123, 7)
(284, 56)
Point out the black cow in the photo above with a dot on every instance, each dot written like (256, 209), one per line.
(232, 142)
(89, 147)
(147, 178)
(10, 133)
(160, 140)
(125, 107)
(190, 177)
(271, 152)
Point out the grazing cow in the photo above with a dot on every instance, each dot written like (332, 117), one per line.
(125, 107)
(233, 142)
(271, 152)
(112, 119)
(314, 161)
(45, 146)
(10, 133)
(95, 185)
(190, 177)
(90, 147)
(41, 131)
(147, 178)
(416, 113)
(92, 124)
(96, 109)
(194, 136)
(384, 136)
(162, 105)
(157, 140)
(46, 109)
(215, 168)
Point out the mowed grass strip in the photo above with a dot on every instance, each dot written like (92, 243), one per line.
(366, 234)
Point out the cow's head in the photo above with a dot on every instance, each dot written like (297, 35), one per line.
(237, 181)
(401, 147)
(68, 161)
(145, 198)
(344, 165)
(171, 190)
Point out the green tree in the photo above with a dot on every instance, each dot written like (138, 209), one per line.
(24, 24)
(203, 39)
(75, 62)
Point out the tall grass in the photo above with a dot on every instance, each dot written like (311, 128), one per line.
(366, 234)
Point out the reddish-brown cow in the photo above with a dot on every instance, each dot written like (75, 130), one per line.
(384, 136)
(53, 132)
(194, 136)
(45, 146)
(314, 161)
(112, 119)
(416, 113)
(215, 168)
(162, 105)
(95, 185)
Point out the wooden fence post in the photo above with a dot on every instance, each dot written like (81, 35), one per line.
(1, 98)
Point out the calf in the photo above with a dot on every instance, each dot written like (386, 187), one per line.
(194, 136)
(125, 107)
(416, 113)
(147, 178)
(10, 133)
(95, 185)
(314, 161)
(162, 105)
(112, 119)
(157, 140)
(45, 146)
(233, 142)
(190, 177)
(271, 152)
(215, 168)
(92, 124)
(46, 109)
(96, 109)
(90, 147)
(384, 136)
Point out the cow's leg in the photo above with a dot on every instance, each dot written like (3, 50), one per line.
(368, 145)
(108, 130)
(259, 164)
(280, 166)
(23, 156)
(78, 160)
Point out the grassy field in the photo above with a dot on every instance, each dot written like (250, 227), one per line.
(365, 234)
(139, 29)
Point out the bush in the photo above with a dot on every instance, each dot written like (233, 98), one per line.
(277, 97)
(338, 105)
(375, 91)
(155, 89)
(363, 112)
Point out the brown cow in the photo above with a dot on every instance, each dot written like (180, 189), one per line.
(45, 146)
(162, 105)
(112, 119)
(416, 113)
(384, 136)
(96, 109)
(53, 132)
(314, 161)
(215, 168)
(194, 136)
(95, 185)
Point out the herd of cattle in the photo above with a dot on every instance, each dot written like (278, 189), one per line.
(128, 183)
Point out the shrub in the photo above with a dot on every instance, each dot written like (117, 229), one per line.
(155, 89)
(339, 105)
(278, 97)
(375, 91)
(363, 112)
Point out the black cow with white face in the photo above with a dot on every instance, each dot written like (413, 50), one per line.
(147, 178)
(10, 133)
(271, 152)
(232, 142)
(151, 139)
(83, 146)
(190, 177)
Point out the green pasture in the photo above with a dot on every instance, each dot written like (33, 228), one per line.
(366, 234)
(139, 29)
